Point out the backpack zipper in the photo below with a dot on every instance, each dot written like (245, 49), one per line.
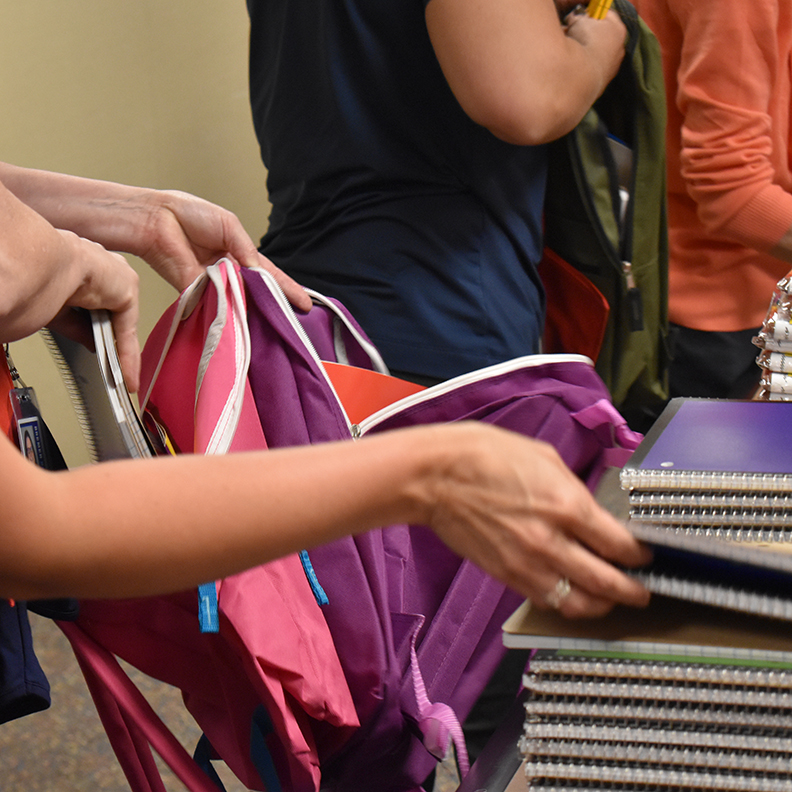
(527, 361)
(285, 305)
(634, 299)
(377, 362)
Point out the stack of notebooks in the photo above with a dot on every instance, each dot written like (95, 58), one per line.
(695, 691)
(680, 696)
(643, 722)
(719, 468)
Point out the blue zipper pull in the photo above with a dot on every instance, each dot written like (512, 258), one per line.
(313, 580)
(208, 614)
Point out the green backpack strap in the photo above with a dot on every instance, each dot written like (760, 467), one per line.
(605, 214)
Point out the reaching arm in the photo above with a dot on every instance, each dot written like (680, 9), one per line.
(144, 527)
(176, 233)
(516, 71)
(733, 149)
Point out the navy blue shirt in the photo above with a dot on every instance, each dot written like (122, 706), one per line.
(385, 194)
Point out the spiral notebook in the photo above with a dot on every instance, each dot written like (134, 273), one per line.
(716, 465)
(726, 577)
(695, 691)
(603, 722)
(749, 578)
(710, 597)
(680, 695)
(108, 418)
(668, 627)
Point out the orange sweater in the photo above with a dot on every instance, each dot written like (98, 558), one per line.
(727, 72)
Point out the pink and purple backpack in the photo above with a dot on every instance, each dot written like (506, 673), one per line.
(351, 667)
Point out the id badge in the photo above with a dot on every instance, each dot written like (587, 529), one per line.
(29, 426)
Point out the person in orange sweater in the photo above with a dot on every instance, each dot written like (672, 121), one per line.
(727, 72)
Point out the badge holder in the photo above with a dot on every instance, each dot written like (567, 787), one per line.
(27, 421)
(36, 442)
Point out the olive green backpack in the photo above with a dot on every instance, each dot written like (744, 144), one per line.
(621, 248)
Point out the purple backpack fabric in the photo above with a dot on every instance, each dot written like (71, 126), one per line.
(417, 629)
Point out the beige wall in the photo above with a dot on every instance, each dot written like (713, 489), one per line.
(149, 92)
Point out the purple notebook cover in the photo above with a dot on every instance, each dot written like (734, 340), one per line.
(721, 436)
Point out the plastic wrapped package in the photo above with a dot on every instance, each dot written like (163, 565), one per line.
(775, 342)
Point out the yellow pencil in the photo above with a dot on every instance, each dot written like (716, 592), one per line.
(598, 8)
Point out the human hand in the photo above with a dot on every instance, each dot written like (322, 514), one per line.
(108, 282)
(184, 234)
(512, 506)
(605, 38)
(178, 234)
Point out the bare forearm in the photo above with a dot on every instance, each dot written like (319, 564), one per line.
(135, 528)
(40, 268)
(105, 212)
(131, 528)
(176, 233)
(515, 70)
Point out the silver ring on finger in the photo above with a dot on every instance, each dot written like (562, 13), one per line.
(559, 593)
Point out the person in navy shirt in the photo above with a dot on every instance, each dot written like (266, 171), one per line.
(406, 166)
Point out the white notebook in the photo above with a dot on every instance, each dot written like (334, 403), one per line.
(109, 420)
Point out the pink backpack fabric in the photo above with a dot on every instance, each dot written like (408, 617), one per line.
(371, 686)
(273, 646)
